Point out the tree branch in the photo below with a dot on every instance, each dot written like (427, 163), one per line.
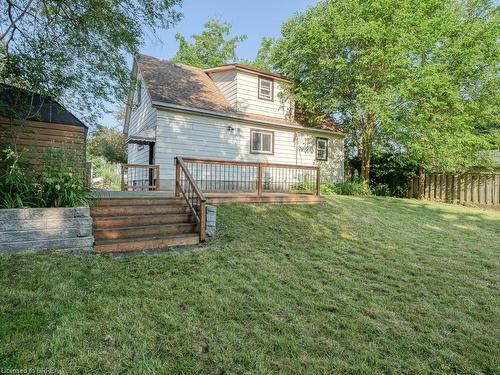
(13, 21)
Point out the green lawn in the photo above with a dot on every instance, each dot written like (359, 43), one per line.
(354, 285)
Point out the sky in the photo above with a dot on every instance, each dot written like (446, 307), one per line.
(255, 18)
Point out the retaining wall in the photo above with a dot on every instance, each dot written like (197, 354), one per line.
(45, 229)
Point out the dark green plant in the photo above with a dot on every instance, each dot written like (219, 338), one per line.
(60, 180)
(63, 179)
(352, 188)
(17, 187)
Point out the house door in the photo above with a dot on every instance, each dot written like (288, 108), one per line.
(151, 181)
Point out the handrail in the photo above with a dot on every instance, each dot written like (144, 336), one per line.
(140, 177)
(251, 172)
(195, 201)
(250, 163)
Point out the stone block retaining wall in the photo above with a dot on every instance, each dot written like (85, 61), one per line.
(45, 229)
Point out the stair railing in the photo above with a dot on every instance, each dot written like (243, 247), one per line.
(186, 185)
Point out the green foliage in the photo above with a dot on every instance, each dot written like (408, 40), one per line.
(422, 73)
(105, 170)
(17, 188)
(77, 52)
(109, 143)
(263, 59)
(210, 48)
(390, 172)
(349, 188)
(60, 181)
(63, 179)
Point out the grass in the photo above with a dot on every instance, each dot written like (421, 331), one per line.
(354, 285)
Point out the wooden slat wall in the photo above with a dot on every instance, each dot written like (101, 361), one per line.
(34, 137)
(479, 188)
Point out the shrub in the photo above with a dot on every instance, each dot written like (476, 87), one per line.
(17, 187)
(382, 190)
(60, 180)
(63, 179)
(352, 188)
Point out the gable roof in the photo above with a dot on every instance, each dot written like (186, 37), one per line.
(182, 85)
(17, 103)
(186, 87)
(247, 68)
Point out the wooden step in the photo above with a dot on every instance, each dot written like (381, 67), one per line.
(138, 210)
(141, 220)
(149, 243)
(138, 232)
(112, 202)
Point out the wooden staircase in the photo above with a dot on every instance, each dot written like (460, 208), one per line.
(132, 224)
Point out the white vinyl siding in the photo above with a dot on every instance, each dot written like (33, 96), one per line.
(226, 82)
(190, 135)
(142, 123)
(249, 101)
(241, 89)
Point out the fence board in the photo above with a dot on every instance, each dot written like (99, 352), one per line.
(479, 188)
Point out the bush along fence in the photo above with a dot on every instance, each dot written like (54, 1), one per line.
(479, 188)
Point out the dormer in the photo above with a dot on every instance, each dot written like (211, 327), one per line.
(254, 91)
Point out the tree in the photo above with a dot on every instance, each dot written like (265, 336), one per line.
(75, 51)
(263, 59)
(108, 143)
(369, 65)
(210, 48)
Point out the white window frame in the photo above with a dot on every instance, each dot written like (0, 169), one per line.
(271, 89)
(325, 148)
(261, 151)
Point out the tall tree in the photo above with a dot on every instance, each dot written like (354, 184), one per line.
(109, 143)
(75, 51)
(263, 59)
(210, 48)
(363, 63)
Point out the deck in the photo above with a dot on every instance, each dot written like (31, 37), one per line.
(217, 197)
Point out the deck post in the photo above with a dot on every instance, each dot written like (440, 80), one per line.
(122, 187)
(203, 220)
(318, 182)
(177, 178)
(259, 180)
(157, 178)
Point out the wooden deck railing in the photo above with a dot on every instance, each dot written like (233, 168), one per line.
(139, 177)
(186, 185)
(225, 175)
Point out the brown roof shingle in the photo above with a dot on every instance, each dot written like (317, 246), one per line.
(182, 85)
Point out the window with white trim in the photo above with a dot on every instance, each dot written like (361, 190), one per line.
(266, 88)
(321, 149)
(261, 142)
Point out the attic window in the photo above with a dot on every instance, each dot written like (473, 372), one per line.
(266, 88)
(139, 92)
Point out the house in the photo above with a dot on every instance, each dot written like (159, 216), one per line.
(32, 123)
(232, 112)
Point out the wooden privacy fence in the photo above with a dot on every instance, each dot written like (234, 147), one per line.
(140, 177)
(479, 188)
(225, 175)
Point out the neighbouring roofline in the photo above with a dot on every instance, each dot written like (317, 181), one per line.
(246, 68)
(240, 117)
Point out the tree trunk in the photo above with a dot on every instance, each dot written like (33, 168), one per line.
(366, 158)
(366, 150)
(421, 183)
